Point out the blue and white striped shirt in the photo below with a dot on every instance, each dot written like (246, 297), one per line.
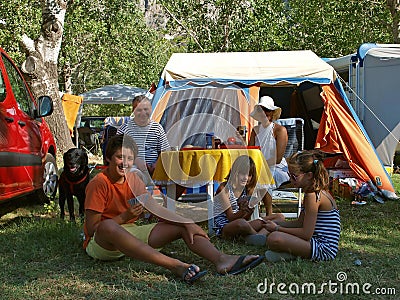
(150, 139)
(325, 239)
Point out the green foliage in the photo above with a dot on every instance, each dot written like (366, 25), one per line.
(116, 110)
(108, 42)
(222, 26)
(19, 17)
(104, 42)
(329, 28)
(51, 207)
(334, 28)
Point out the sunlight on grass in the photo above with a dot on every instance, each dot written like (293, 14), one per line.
(42, 258)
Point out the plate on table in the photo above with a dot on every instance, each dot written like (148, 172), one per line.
(238, 147)
(192, 148)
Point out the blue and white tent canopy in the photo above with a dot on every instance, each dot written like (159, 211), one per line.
(112, 94)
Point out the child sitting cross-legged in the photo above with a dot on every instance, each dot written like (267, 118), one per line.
(315, 234)
(231, 205)
(111, 210)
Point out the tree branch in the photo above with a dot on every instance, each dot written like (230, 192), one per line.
(184, 27)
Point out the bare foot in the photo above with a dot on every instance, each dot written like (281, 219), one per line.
(181, 269)
(274, 217)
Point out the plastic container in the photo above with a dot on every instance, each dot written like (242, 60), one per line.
(210, 140)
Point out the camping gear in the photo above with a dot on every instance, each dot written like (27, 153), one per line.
(215, 92)
(110, 94)
(285, 197)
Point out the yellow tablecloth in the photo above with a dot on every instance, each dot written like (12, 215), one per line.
(201, 166)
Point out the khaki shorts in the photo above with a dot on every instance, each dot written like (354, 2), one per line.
(140, 232)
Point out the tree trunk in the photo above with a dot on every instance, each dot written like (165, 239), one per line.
(40, 67)
(394, 8)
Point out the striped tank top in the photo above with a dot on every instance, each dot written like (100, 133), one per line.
(325, 239)
(220, 219)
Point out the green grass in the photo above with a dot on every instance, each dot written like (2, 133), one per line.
(42, 258)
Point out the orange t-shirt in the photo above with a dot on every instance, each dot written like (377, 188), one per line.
(111, 199)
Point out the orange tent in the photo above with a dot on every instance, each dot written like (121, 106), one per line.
(339, 133)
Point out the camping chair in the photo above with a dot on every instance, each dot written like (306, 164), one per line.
(199, 197)
(111, 125)
(88, 140)
(289, 197)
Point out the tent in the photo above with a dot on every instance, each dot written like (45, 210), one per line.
(372, 77)
(112, 94)
(109, 94)
(201, 93)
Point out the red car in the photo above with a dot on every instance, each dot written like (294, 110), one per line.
(27, 147)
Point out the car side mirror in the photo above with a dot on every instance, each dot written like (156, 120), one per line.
(45, 106)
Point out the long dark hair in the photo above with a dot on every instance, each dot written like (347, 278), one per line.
(244, 164)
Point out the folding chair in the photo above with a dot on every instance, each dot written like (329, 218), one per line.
(285, 198)
(199, 196)
(88, 140)
(111, 125)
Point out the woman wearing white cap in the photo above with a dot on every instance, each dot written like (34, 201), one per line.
(271, 137)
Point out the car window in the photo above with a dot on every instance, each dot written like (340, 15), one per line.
(18, 87)
(95, 123)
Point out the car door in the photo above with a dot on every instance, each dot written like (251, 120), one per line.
(20, 141)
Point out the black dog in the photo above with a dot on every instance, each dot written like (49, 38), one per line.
(73, 181)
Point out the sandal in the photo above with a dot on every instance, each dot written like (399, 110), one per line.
(192, 269)
(239, 267)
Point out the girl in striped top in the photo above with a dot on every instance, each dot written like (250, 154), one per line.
(315, 234)
(231, 204)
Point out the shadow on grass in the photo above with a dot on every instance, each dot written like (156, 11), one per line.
(42, 258)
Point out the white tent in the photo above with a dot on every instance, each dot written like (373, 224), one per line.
(112, 94)
(109, 94)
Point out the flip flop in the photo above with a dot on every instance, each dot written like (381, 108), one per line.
(192, 279)
(238, 267)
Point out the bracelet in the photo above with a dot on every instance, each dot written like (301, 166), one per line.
(277, 227)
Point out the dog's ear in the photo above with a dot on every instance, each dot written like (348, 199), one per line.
(67, 153)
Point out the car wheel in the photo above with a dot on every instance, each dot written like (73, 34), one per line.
(50, 175)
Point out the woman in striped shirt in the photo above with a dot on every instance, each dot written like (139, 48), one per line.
(315, 234)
